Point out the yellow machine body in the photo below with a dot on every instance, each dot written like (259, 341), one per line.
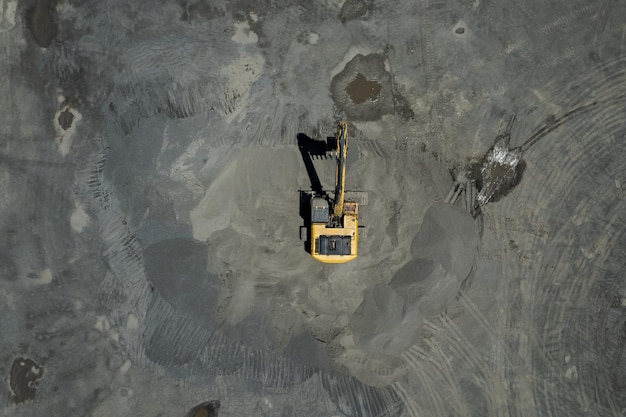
(334, 234)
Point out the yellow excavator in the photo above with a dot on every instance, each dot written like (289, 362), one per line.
(334, 223)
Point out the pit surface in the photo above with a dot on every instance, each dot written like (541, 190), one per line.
(150, 169)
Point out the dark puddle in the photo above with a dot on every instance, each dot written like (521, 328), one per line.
(361, 89)
(65, 119)
(23, 379)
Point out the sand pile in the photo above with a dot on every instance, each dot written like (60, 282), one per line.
(444, 253)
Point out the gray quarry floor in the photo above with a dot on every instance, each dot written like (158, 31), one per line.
(149, 210)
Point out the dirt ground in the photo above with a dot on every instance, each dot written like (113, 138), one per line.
(150, 261)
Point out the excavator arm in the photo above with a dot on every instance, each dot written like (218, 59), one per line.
(340, 175)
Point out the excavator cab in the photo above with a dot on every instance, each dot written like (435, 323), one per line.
(320, 210)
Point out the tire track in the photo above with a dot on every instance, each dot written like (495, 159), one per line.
(373, 148)
(167, 75)
(439, 365)
(603, 15)
(460, 347)
(429, 57)
(508, 365)
(558, 312)
(564, 21)
(523, 45)
(512, 356)
(484, 378)
(411, 407)
(381, 368)
(437, 407)
(421, 373)
(463, 347)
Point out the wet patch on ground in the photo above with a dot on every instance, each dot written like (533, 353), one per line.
(194, 11)
(66, 118)
(41, 22)
(364, 91)
(8, 269)
(361, 89)
(206, 409)
(24, 375)
(354, 9)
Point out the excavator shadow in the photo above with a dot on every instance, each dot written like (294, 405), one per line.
(305, 213)
(310, 149)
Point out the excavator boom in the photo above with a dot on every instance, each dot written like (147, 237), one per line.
(340, 177)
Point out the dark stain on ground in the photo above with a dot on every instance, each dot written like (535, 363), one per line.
(474, 173)
(346, 90)
(354, 9)
(41, 22)
(361, 89)
(206, 409)
(197, 10)
(23, 379)
(65, 119)
(8, 270)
